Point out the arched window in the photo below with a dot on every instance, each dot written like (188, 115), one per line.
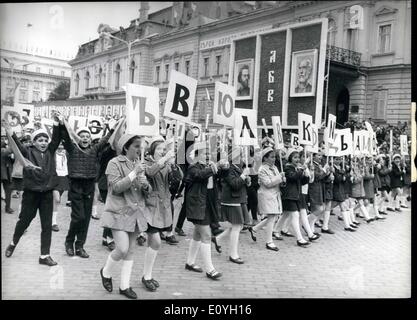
(87, 80)
(100, 77)
(77, 84)
(132, 72)
(117, 77)
(331, 33)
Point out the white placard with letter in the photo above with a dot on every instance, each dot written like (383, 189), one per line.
(224, 104)
(245, 129)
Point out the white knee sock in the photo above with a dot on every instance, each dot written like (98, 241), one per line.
(234, 242)
(150, 256)
(312, 218)
(326, 219)
(109, 267)
(125, 274)
(346, 220)
(206, 255)
(352, 214)
(193, 251)
(365, 212)
(94, 212)
(54, 215)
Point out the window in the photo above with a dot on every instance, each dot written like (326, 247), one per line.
(24, 83)
(9, 81)
(187, 67)
(100, 77)
(51, 71)
(50, 86)
(132, 71)
(206, 66)
(23, 95)
(380, 103)
(62, 73)
(218, 60)
(37, 85)
(87, 80)
(157, 70)
(117, 77)
(177, 66)
(77, 84)
(167, 72)
(331, 34)
(38, 69)
(35, 96)
(25, 68)
(384, 38)
(352, 39)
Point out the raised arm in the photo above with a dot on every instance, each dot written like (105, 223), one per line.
(56, 137)
(67, 142)
(19, 145)
(103, 141)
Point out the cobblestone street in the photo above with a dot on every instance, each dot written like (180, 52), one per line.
(374, 262)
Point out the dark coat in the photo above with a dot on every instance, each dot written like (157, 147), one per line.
(384, 175)
(233, 186)
(104, 158)
(316, 188)
(377, 179)
(195, 180)
(35, 179)
(6, 164)
(294, 179)
(83, 164)
(368, 184)
(339, 193)
(397, 177)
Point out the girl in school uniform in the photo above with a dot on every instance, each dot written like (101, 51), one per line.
(397, 181)
(385, 188)
(328, 196)
(124, 211)
(269, 196)
(369, 186)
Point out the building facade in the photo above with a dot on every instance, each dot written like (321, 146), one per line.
(37, 75)
(370, 66)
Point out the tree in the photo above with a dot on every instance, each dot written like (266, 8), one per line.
(61, 91)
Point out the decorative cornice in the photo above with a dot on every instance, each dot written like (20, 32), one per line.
(385, 10)
(35, 74)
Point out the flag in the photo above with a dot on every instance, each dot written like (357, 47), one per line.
(19, 157)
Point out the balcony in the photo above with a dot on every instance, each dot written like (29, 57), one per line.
(344, 56)
(94, 92)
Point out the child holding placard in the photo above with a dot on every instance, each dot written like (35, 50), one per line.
(358, 190)
(397, 181)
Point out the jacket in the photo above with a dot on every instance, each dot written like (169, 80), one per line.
(294, 179)
(158, 201)
(83, 164)
(125, 204)
(358, 190)
(269, 193)
(104, 157)
(6, 164)
(377, 178)
(339, 185)
(233, 186)
(195, 197)
(397, 176)
(384, 175)
(316, 188)
(368, 184)
(40, 180)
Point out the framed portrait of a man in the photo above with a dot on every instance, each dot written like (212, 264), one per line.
(243, 79)
(303, 73)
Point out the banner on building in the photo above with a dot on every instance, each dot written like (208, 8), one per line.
(180, 97)
(224, 103)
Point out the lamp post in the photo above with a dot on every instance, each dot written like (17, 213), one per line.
(129, 47)
(327, 79)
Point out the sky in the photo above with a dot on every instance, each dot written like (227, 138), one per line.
(63, 26)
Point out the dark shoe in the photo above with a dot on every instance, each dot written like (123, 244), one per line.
(398, 209)
(129, 293)
(303, 244)
(216, 245)
(217, 231)
(390, 209)
(81, 253)
(180, 232)
(111, 246)
(193, 267)
(340, 218)
(318, 225)
(353, 226)
(273, 248)
(9, 210)
(383, 212)
(287, 234)
(356, 223)
(329, 231)
(69, 248)
(276, 236)
(163, 237)
(68, 204)
(141, 240)
(47, 261)
(55, 228)
(408, 198)
(95, 217)
(314, 237)
(317, 234)
(321, 221)
(10, 250)
(156, 283)
(107, 282)
(404, 206)
(149, 284)
(238, 260)
(370, 220)
(171, 240)
(380, 218)
(350, 229)
(214, 275)
(250, 229)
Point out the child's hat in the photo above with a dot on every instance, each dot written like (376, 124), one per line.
(40, 132)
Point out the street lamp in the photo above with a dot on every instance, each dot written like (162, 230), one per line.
(129, 47)
(327, 78)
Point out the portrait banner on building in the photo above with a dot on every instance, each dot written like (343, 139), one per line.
(245, 129)
(180, 99)
(277, 129)
(224, 104)
(303, 73)
(142, 110)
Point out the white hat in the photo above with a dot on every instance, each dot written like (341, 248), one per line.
(396, 156)
(38, 132)
(266, 151)
(123, 139)
(289, 152)
(83, 129)
(155, 139)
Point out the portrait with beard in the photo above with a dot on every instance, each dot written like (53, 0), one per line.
(243, 79)
(303, 73)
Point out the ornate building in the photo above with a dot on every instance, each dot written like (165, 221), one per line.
(370, 64)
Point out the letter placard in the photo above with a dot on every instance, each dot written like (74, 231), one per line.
(277, 128)
(294, 140)
(142, 110)
(314, 148)
(403, 145)
(305, 134)
(331, 127)
(180, 98)
(245, 130)
(77, 122)
(224, 103)
(343, 142)
(96, 126)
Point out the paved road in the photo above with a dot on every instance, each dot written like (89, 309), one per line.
(374, 262)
